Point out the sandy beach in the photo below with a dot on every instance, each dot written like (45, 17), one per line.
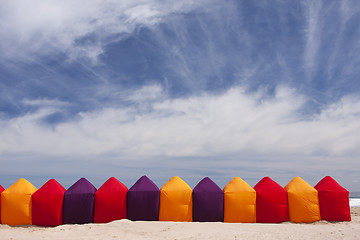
(125, 229)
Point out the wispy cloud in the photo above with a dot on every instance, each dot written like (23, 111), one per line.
(69, 27)
(313, 36)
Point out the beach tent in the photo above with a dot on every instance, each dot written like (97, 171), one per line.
(16, 203)
(239, 202)
(175, 201)
(271, 202)
(333, 200)
(79, 203)
(303, 201)
(208, 202)
(47, 204)
(1, 190)
(110, 201)
(143, 201)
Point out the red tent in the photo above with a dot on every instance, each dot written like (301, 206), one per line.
(1, 190)
(47, 204)
(333, 200)
(110, 201)
(271, 202)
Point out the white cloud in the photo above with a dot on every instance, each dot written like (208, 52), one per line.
(39, 27)
(231, 123)
(234, 133)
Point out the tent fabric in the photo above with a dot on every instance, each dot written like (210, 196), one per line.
(208, 202)
(110, 201)
(333, 200)
(47, 204)
(175, 201)
(271, 202)
(143, 201)
(303, 201)
(16, 203)
(79, 203)
(1, 190)
(239, 202)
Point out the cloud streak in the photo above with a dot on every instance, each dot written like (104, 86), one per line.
(45, 28)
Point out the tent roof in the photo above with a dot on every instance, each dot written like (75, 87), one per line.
(238, 185)
(21, 186)
(81, 186)
(113, 185)
(175, 184)
(1, 189)
(268, 185)
(144, 184)
(207, 185)
(51, 186)
(299, 185)
(328, 183)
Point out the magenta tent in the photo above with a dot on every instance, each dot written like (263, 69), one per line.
(47, 204)
(208, 202)
(271, 202)
(333, 200)
(143, 201)
(110, 201)
(79, 203)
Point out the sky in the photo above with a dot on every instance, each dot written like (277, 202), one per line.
(193, 88)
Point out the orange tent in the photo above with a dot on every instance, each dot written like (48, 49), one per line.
(175, 201)
(16, 203)
(239, 202)
(303, 201)
(1, 190)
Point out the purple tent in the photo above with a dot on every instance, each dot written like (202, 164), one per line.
(208, 202)
(79, 203)
(143, 200)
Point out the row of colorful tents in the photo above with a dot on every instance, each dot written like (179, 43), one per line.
(267, 202)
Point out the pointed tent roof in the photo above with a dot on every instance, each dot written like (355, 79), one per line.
(207, 185)
(238, 185)
(175, 184)
(16, 203)
(51, 187)
(81, 186)
(112, 185)
(268, 185)
(21, 186)
(47, 204)
(329, 184)
(333, 200)
(297, 184)
(271, 202)
(144, 184)
(303, 201)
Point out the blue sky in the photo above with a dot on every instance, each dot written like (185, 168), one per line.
(192, 88)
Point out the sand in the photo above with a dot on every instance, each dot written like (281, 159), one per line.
(125, 229)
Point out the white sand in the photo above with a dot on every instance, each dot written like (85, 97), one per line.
(125, 229)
